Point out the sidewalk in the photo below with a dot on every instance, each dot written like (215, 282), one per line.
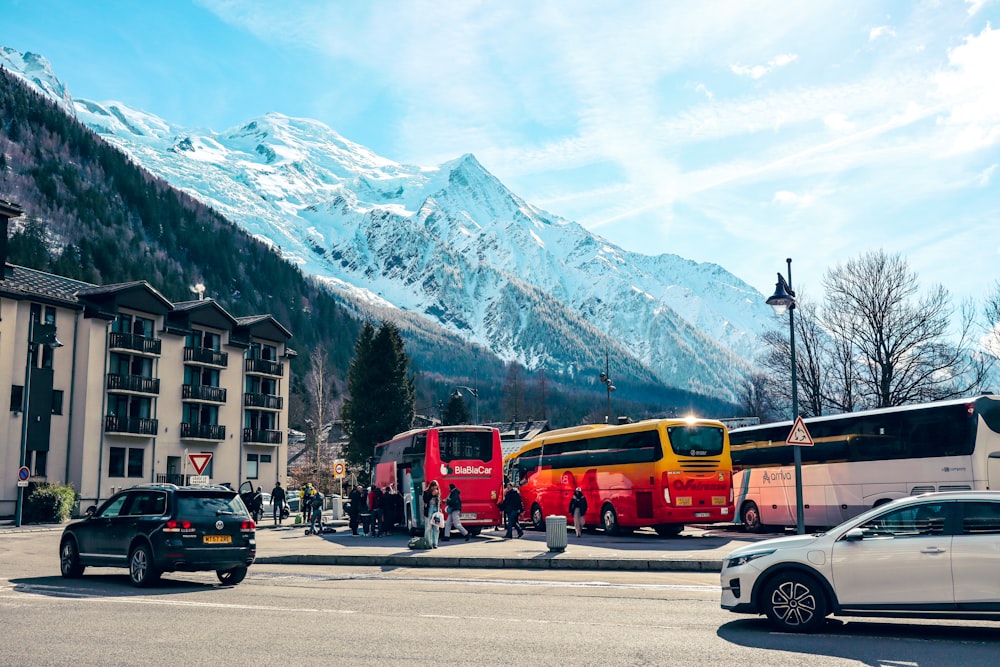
(697, 549)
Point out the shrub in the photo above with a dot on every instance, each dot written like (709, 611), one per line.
(49, 503)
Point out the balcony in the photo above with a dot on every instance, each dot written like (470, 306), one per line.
(203, 392)
(135, 384)
(260, 436)
(202, 431)
(130, 425)
(263, 367)
(204, 355)
(134, 343)
(263, 401)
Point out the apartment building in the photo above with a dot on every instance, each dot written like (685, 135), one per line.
(114, 385)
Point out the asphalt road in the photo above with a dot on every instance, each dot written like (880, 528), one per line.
(308, 614)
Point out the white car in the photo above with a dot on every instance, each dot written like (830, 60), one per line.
(931, 556)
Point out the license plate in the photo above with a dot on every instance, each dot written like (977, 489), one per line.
(217, 539)
(702, 515)
(467, 516)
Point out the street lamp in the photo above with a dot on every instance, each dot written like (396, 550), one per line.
(606, 380)
(38, 334)
(475, 395)
(782, 301)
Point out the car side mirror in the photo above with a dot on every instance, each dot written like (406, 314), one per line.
(854, 535)
(91, 511)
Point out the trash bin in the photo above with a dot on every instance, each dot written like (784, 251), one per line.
(337, 505)
(555, 533)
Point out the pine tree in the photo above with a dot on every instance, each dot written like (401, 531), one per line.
(455, 412)
(381, 393)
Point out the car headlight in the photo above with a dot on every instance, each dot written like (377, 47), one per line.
(743, 559)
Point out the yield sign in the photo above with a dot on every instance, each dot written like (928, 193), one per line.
(199, 461)
(800, 434)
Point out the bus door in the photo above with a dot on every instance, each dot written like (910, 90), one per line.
(993, 471)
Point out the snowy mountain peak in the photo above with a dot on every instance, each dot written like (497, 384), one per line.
(37, 71)
(454, 244)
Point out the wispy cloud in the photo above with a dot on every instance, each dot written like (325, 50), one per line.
(760, 71)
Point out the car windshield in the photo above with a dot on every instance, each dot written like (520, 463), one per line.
(209, 506)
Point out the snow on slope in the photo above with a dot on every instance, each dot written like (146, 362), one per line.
(450, 242)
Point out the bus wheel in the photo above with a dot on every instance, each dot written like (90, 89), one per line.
(537, 520)
(609, 520)
(669, 529)
(750, 518)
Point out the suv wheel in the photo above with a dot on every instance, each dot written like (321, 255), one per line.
(232, 576)
(794, 602)
(141, 570)
(69, 560)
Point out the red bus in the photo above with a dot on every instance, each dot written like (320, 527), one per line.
(658, 473)
(467, 456)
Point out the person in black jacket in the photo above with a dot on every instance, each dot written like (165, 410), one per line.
(278, 503)
(453, 503)
(577, 509)
(357, 498)
(512, 506)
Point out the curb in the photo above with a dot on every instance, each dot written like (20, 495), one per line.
(541, 562)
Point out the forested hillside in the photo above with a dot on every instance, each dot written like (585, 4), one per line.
(93, 215)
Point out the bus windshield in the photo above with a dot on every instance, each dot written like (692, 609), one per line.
(466, 446)
(696, 440)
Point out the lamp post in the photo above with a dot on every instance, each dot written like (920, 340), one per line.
(38, 334)
(475, 395)
(606, 381)
(781, 301)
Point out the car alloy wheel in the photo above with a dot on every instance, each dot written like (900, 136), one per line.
(794, 602)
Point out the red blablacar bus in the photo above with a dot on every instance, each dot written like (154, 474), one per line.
(467, 456)
(658, 473)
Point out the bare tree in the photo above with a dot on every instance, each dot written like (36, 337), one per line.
(811, 361)
(324, 401)
(755, 396)
(901, 343)
(992, 342)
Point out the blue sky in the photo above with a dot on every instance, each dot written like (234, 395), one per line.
(739, 133)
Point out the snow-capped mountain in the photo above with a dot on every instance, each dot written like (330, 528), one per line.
(449, 242)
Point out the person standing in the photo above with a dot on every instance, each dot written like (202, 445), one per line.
(454, 505)
(356, 497)
(512, 506)
(432, 514)
(278, 503)
(577, 509)
(316, 502)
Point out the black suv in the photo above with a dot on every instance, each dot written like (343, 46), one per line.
(157, 528)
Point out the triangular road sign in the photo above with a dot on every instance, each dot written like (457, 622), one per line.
(800, 434)
(199, 461)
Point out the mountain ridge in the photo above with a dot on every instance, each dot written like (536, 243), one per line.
(451, 243)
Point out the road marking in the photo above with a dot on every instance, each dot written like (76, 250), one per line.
(45, 591)
(542, 621)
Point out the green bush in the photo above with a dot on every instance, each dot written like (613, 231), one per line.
(49, 503)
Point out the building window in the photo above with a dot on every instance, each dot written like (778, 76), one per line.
(57, 401)
(16, 398)
(116, 462)
(133, 456)
(252, 468)
(265, 458)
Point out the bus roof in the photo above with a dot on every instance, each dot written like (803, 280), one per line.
(843, 415)
(453, 429)
(644, 424)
